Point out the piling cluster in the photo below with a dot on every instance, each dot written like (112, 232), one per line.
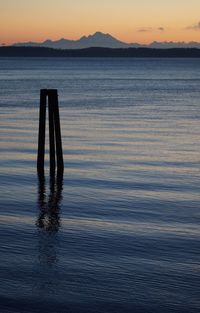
(55, 143)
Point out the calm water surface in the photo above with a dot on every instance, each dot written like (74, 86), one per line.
(120, 232)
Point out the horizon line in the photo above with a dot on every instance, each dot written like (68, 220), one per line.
(94, 33)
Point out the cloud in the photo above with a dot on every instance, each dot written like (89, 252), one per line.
(150, 29)
(194, 27)
(145, 29)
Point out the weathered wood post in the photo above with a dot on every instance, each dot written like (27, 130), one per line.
(59, 152)
(55, 142)
(41, 134)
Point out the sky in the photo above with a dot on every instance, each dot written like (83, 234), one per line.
(141, 21)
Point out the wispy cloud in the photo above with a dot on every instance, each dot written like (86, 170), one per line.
(145, 29)
(150, 29)
(194, 27)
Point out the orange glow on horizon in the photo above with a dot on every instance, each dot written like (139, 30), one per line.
(136, 37)
(129, 20)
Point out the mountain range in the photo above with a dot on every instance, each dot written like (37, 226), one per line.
(100, 39)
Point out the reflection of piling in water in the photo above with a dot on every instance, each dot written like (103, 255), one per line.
(49, 218)
(48, 223)
(55, 143)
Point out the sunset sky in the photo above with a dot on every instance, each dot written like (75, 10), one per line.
(140, 21)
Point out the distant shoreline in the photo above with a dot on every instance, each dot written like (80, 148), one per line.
(12, 51)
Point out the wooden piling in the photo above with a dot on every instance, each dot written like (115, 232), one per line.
(59, 152)
(55, 141)
(41, 134)
(51, 106)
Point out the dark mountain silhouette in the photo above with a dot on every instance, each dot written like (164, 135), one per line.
(99, 52)
(99, 39)
(171, 44)
(96, 40)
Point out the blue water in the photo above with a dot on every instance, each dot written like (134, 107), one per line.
(120, 233)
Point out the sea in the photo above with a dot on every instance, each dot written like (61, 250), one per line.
(120, 231)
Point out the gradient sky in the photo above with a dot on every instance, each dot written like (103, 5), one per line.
(129, 20)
